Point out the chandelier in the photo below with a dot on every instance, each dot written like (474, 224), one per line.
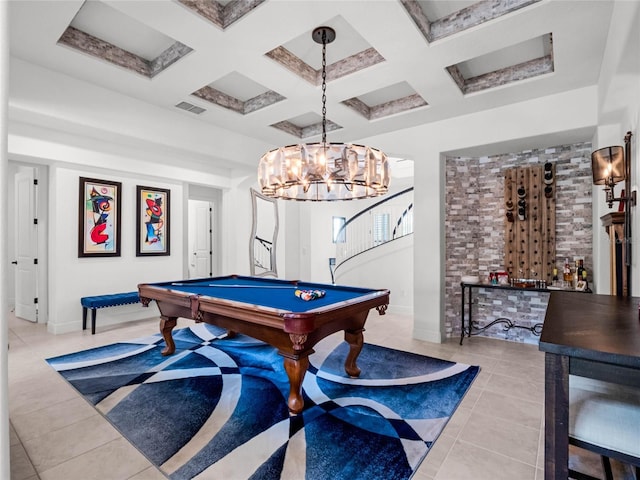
(323, 171)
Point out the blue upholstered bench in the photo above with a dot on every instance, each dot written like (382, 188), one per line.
(102, 301)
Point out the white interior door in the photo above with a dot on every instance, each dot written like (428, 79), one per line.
(26, 246)
(200, 239)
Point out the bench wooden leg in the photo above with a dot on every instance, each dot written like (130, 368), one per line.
(93, 321)
(84, 318)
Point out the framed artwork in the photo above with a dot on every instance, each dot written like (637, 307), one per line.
(152, 221)
(99, 218)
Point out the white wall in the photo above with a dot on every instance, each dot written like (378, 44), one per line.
(83, 130)
(618, 113)
(12, 169)
(69, 157)
(388, 266)
(314, 231)
(236, 229)
(291, 235)
(4, 251)
(100, 118)
(71, 277)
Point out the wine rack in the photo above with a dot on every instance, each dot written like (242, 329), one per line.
(530, 222)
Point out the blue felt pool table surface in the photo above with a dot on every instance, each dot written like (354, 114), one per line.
(266, 292)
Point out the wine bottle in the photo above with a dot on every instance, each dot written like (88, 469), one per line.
(581, 270)
(566, 273)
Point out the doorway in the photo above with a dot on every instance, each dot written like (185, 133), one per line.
(200, 239)
(203, 232)
(27, 244)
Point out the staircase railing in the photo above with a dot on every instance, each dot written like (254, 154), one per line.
(262, 254)
(380, 223)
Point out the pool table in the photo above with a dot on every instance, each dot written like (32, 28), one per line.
(269, 310)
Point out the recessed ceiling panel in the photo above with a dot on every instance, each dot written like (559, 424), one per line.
(439, 19)
(391, 100)
(238, 93)
(222, 13)
(436, 9)
(305, 120)
(348, 42)
(387, 94)
(239, 86)
(518, 62)
(305, 126)
(303, 56)
(506, 57)
(98, 19)
(105, 33)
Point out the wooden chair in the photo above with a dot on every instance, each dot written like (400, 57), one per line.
(604, 418)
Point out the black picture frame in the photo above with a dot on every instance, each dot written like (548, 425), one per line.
(153, 215)
(99, 218)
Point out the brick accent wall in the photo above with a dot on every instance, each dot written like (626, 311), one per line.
(474, 232)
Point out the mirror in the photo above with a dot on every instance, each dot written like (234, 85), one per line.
(264, 232)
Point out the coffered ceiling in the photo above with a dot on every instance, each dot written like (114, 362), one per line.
(252, 67)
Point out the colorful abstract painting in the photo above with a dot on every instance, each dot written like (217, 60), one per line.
(152, 221)
(99, 226)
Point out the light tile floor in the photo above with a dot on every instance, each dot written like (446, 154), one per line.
(495, 434)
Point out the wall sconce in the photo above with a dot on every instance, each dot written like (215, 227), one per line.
(608, 167)
(612, 165)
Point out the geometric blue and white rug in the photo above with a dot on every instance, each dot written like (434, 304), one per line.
(217, 408)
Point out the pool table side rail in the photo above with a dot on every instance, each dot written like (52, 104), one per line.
(173, 303)
(160, 293)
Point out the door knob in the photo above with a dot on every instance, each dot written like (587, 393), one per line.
(15, 262)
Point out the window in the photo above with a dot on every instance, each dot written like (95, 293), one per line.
(338, 230)
(380, 228)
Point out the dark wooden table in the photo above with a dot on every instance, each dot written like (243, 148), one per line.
(595, 336)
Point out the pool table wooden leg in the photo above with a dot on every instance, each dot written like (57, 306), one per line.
(355, 339)
(296, 369)
(166, 325)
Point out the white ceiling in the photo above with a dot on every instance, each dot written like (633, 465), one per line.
(411, 86)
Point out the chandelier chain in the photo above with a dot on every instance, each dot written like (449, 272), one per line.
(324, 87)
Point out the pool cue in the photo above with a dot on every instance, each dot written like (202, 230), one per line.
(235, 286)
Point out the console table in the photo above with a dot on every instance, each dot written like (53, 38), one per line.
(508, 324)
